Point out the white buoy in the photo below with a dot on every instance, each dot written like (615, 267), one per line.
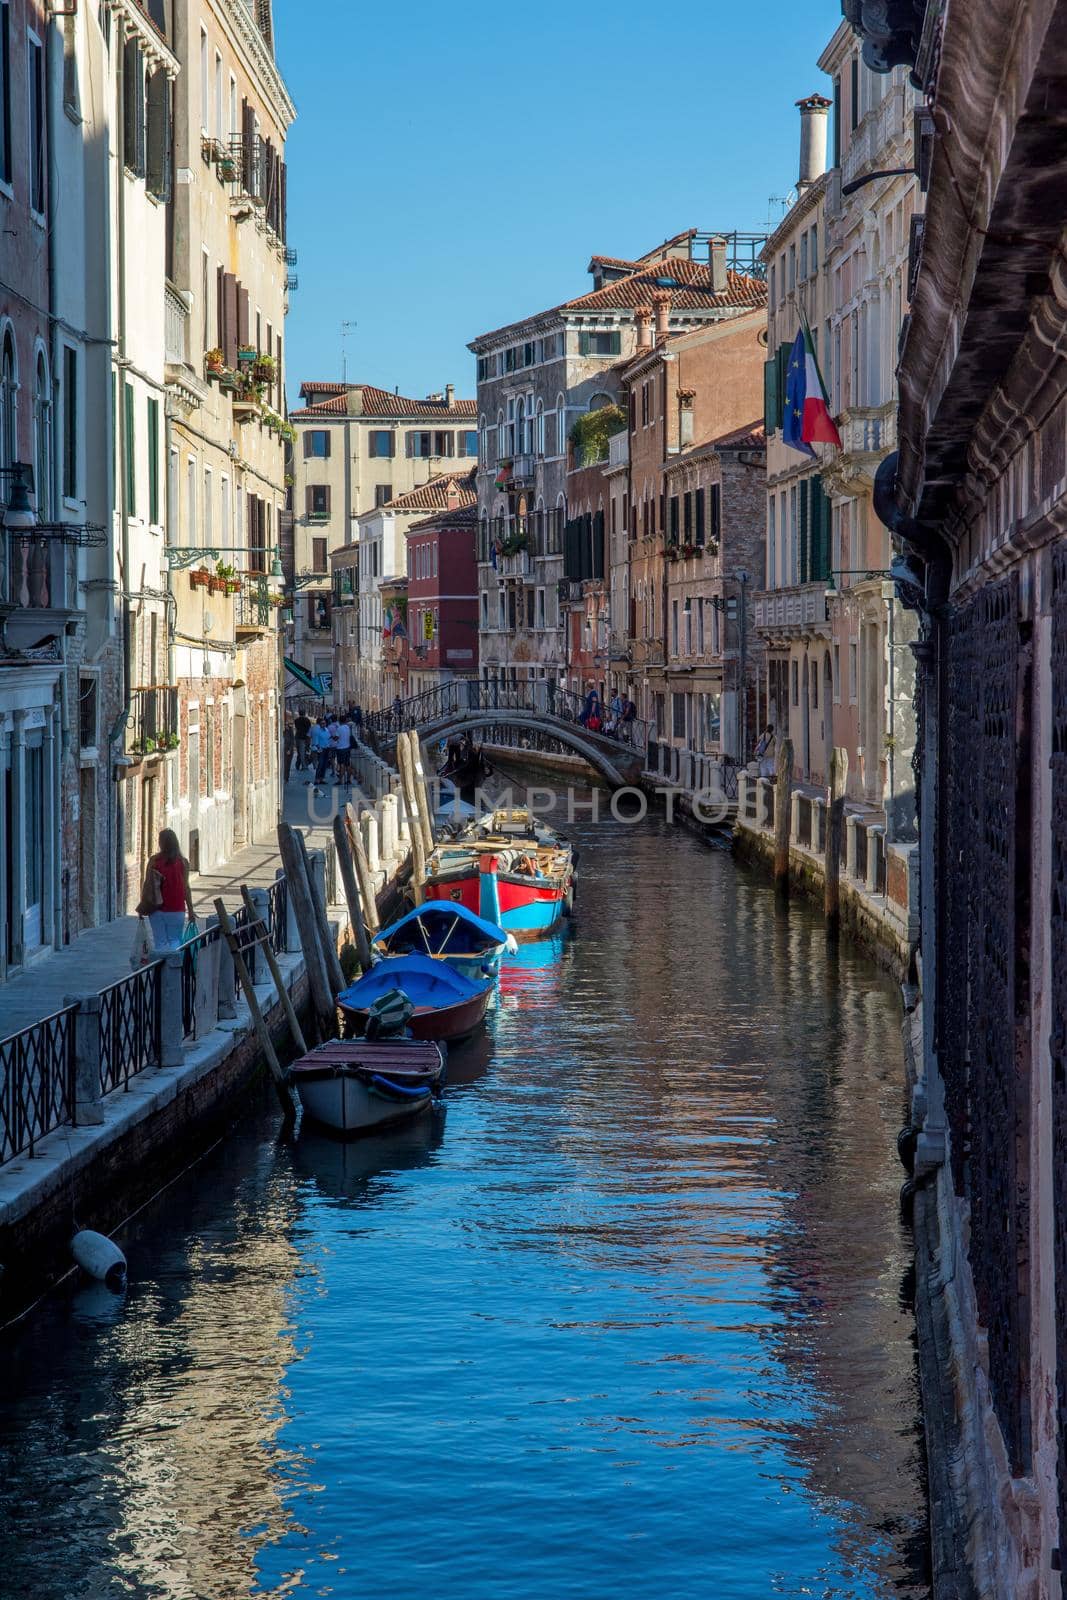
(100, 1257)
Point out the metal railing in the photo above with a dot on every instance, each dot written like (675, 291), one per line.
(253, 610)
(153, 721)
(175, 328)
(470, 696)
(37, 1087)
(539, 532)
(129, 1027)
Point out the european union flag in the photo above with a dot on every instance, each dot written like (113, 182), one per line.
(796, 391)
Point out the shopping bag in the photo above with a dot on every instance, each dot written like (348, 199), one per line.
(143, 947)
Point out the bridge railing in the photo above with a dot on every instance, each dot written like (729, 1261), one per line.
(472, 695)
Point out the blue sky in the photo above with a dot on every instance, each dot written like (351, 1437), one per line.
(453, 168)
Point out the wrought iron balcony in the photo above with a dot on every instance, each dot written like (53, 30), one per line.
(152, 727)
(253, 611)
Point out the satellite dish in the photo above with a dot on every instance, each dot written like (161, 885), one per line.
(209, 621)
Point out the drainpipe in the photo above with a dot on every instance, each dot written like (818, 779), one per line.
(118, 730)
(60, 751)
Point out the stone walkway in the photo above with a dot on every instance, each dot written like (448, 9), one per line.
(101, 956)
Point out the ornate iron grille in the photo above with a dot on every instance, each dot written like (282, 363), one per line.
(37, 1091)
(277, 899)
(986, 1092)
(129, 1027)
(1058, 1039)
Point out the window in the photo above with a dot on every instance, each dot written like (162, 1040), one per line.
(205, 96)
(87, 713)
(687, 517)
(318, 499)
(792, 280)
(190, 499)
(381, 443)
(70, 423)
(854, 97)
(35, 63)
(814, 252)
(131, 453)
(485, 607)
(319, 558)
(5, 92)
(209, 510)
(42, 438)
(317, 443)
(772, 547)
(599, 344)
(153, 460)
(158, 137)
(133, 108)
(219, 131)
(383, 493)
(674, 627)
(715, 528)
(796, 682)
(225, 531)
(467, 440)
(209, 749)
(837, 672)
(419, 444)
(853, 670)
(678, 714)
(688, 609)
(234, 124)
(803, 255)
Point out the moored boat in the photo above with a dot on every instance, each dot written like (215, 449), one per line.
(446, 1004)
(509, 869)
(448, 932)
(354, 1086)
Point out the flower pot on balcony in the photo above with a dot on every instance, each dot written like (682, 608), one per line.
(214, 364)
(200, 578)
(263, 369)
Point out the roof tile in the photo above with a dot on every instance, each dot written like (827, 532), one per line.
(381, 403)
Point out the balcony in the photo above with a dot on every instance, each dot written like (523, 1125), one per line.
(618, 449)
(254, 611)
(869, 430)
(649, 653)
(794, 611)
(874, 142)
(152, 726)
(523, 469)
(519, 565)
(539, 533)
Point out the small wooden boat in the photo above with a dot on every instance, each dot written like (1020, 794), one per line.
(510, 869)
(449, 932)
(354, 1086)
(446, 1005)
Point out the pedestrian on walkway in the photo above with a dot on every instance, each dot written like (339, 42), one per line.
(302, 730)
(175, 895)
(341, 743)
(765, 752)
(320, 749)
(288, 748)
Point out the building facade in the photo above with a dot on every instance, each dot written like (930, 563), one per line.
(976, 496)
(539, 379)
(226, 299)
(442, 595)
(359, 448)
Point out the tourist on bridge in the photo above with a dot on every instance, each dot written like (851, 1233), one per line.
(320, 749)
(592, 709)
(166, 896)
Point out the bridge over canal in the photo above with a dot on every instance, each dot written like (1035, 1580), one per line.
(545, 712)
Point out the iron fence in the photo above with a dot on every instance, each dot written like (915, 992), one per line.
(129, 1027)
(190, 960)
(37, 1088)
(278, 906)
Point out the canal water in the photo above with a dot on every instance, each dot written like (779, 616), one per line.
(629, 1318)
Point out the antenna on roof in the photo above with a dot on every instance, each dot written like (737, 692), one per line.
(347, 329)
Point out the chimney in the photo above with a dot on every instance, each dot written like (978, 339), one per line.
(450, 395)
(354, 402)
(661, 305)
(813, 118)
(717, 262)
(643, 318)
(451, 491)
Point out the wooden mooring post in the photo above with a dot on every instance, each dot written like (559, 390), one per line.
(351, 888)
(298, 883)
(367, 892)
(783, 809)
(334, 975)
(411, 806)
(422, 795)
(259, 1022)
(835, 827)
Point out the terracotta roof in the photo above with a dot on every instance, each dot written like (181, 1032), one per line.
(322, 388)
(381, 403)
(612, 261)
(689, 283)
(463, 515)
(753, 436)
(433, 496)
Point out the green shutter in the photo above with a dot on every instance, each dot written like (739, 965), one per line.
(699, 514)
(772, 403)
(153, 460)
(805, 529)
(820, 560)
(131, 453)
(583, 344)
(784, 352)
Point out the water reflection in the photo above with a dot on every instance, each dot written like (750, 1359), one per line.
(626, 1318)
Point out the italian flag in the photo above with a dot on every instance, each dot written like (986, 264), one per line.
(807, 418)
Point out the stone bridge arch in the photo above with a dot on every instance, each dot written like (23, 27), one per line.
(618, 764)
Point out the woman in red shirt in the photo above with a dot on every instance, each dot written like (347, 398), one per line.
(172, 875)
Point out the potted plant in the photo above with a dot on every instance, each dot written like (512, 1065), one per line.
(227, 168)
(264, 368)
(169, 741)
(214, 363)
(199, 578)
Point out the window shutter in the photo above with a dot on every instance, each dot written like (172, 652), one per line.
(805, 530)
(327, 438)
(326, 498)
(157, 161)
(716, 512)
(583, 344)
(687, 516)
(229, 340)
(783, 375)
(772, 404)
(248, 147)
(598, 545)
(307, 443)
(409, 444)
(700, 529)
(615, 343)
(220, 308)
(674, 519)
(242, 317)
(309, 500)
(283, 202)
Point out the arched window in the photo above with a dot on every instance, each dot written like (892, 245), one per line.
(520, 427)
(561, 425)
(42, 439)
(9, 383)
(501, 438)
(539, 429)
(599, 401)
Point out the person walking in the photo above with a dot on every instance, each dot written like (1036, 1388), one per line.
(175, 896)
(302, 732)
(320, 750)
(341, 744)
(288, 748)
(765, 752)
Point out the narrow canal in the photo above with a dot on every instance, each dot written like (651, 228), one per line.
(627, 1319)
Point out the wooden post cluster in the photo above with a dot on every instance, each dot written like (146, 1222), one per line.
(352, 895)
(298, 880)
